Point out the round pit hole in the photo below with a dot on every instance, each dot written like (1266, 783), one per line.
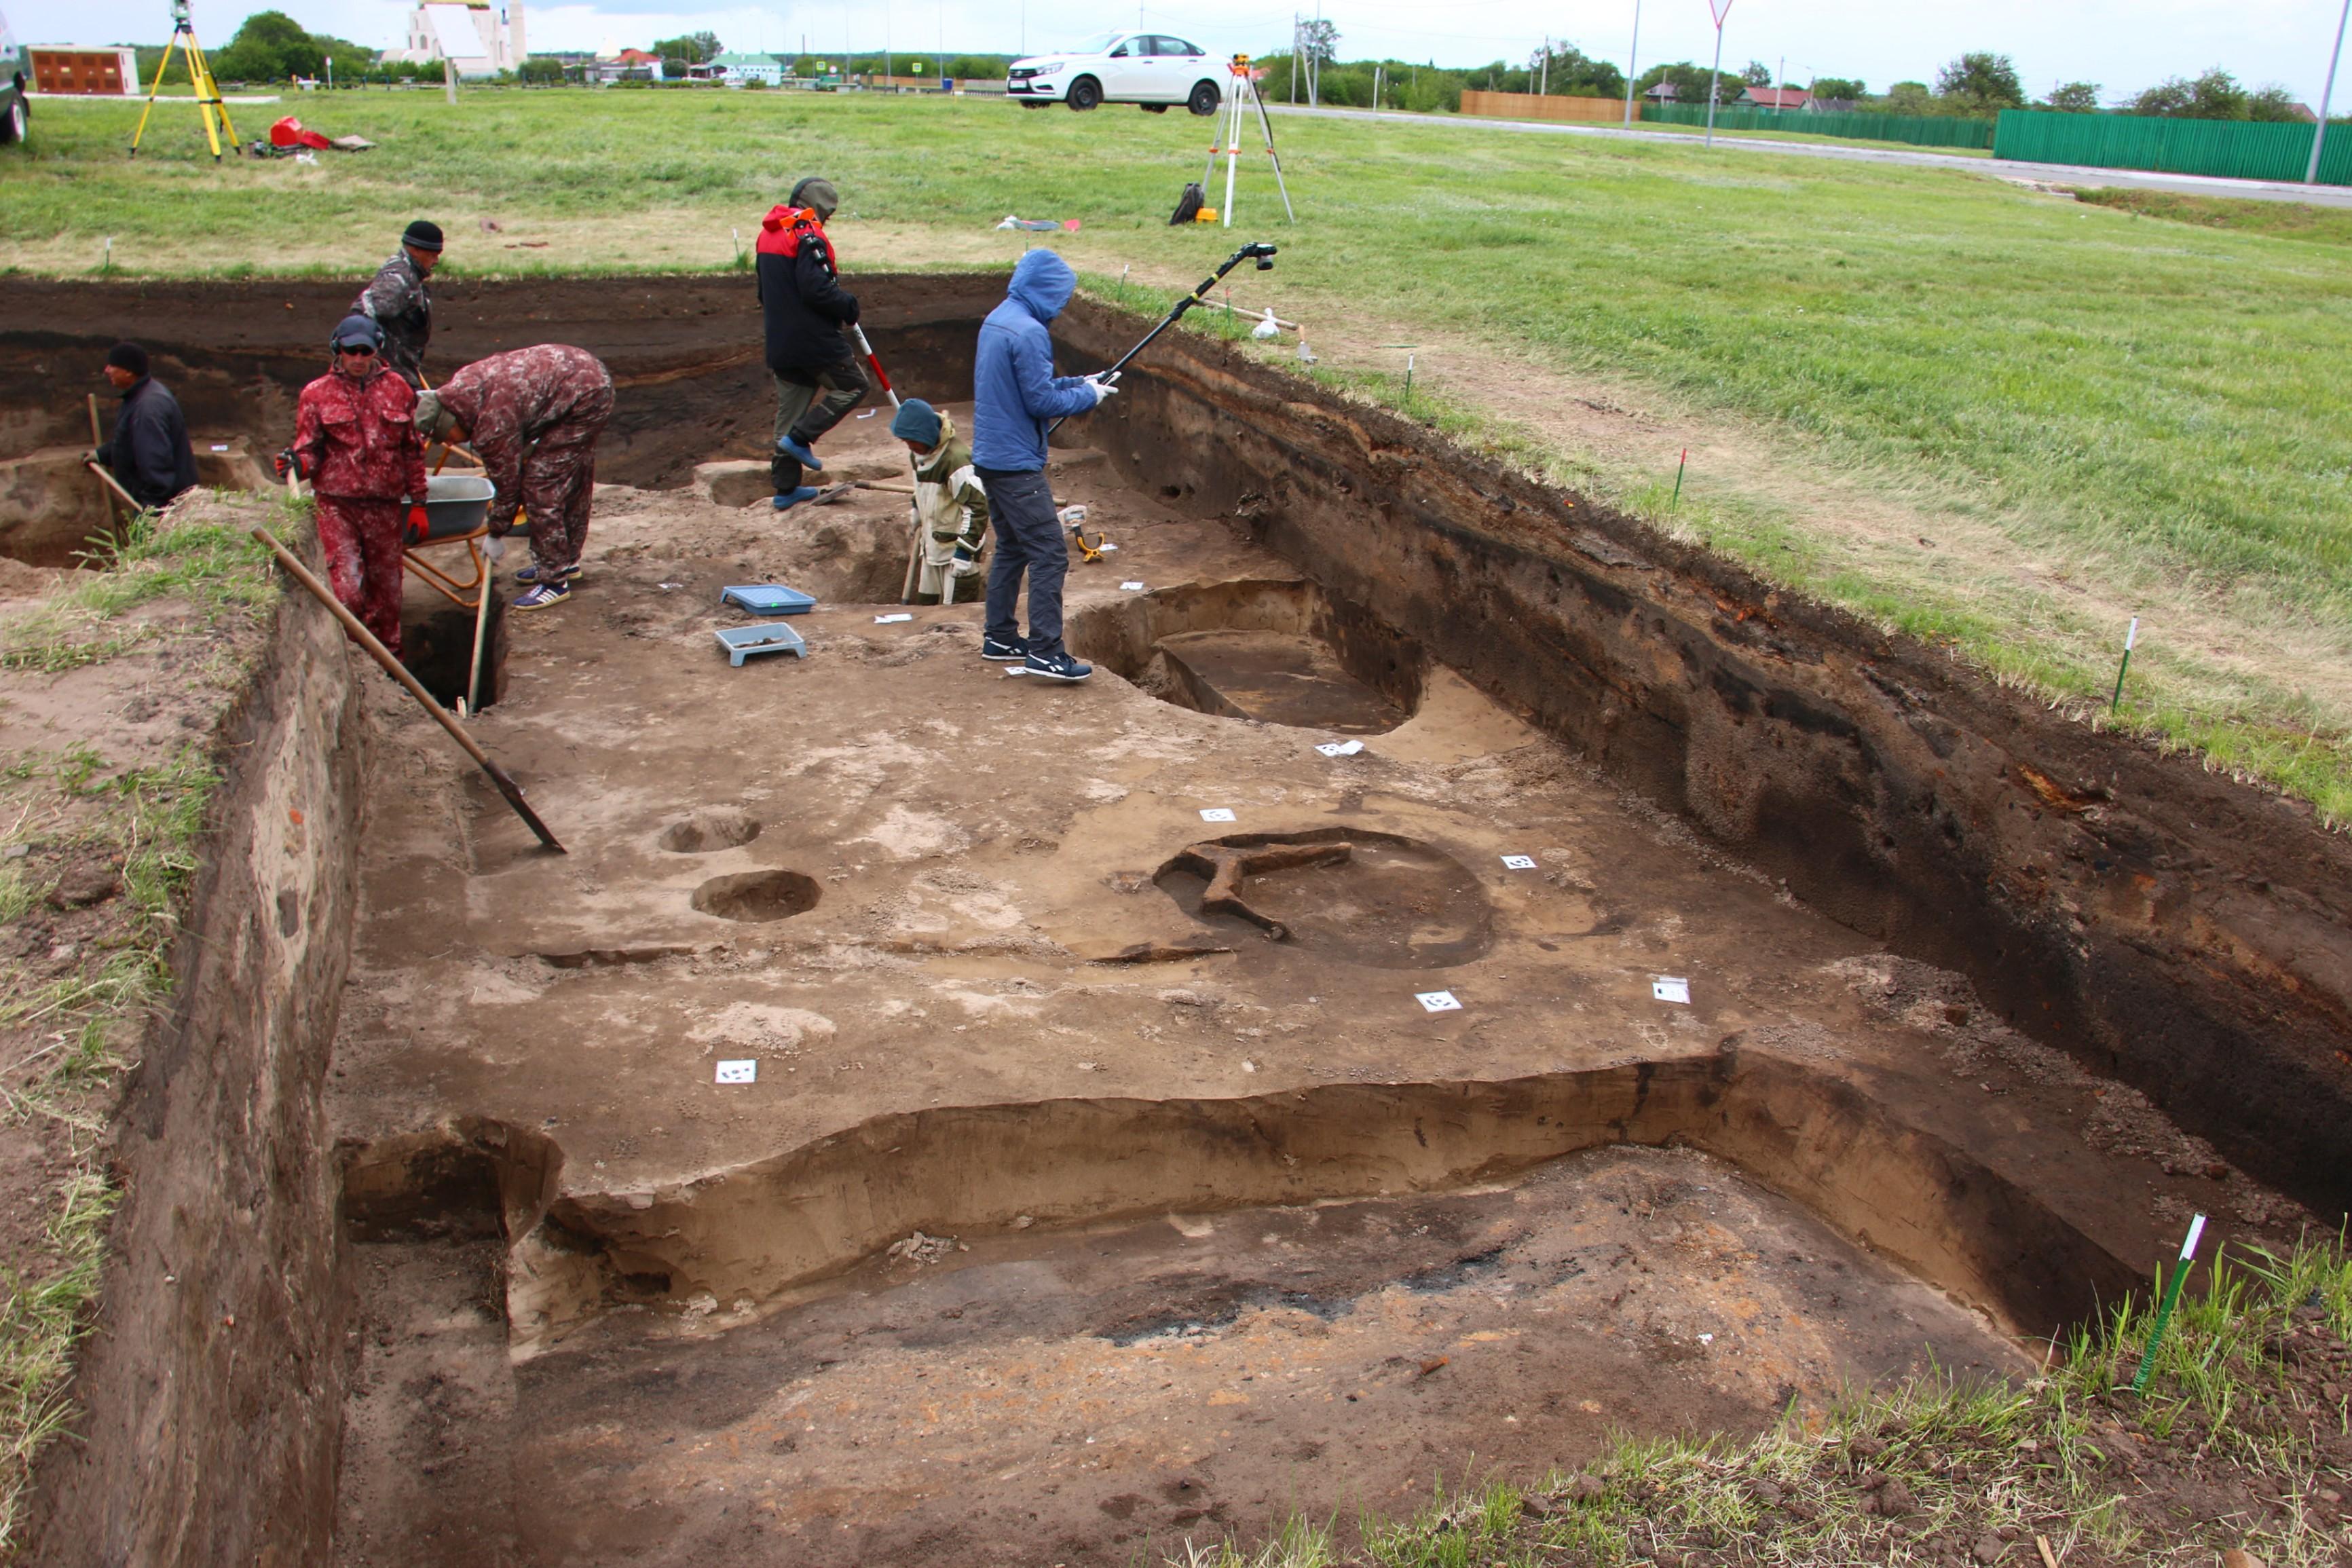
(710, 828)
(757, 896)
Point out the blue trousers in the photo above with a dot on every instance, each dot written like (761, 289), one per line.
(1028, 540)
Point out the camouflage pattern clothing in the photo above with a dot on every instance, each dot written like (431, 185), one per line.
(951, 510)
(355, 440)
(532, 417)
(396, 301)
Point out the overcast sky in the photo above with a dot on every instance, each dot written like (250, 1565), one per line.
(2123, 47)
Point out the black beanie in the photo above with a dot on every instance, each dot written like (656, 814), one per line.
(423, 234)
(128, 356)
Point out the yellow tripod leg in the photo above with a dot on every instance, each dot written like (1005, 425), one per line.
(210, 89)
(154, 87)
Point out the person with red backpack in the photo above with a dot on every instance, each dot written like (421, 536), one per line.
(818, 380)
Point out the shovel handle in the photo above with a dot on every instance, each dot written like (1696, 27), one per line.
(109, 481)
(394, 668)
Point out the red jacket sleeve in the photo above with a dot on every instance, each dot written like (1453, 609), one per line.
(310, 442)
(413, 480)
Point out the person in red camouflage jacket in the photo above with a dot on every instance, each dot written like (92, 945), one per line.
(532, 417)
(355, 441)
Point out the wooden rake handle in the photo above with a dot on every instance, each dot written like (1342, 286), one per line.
(398, 671)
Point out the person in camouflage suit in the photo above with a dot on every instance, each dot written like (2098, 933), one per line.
(355, 441)
(396, 299)
(532, 416)
(950, 509)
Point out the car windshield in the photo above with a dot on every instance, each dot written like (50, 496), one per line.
(1099, 44)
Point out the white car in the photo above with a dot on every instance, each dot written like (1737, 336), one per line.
(1152, 70)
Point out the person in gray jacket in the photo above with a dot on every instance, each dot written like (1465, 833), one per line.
(150, 455)
(396, 301)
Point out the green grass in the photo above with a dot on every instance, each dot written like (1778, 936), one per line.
(2001, 1461)
(2152, 407)
(71, 1033)
(2289, 220)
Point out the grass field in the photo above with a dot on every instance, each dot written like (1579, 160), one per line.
(1997, 418)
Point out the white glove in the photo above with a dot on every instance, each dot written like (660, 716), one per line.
(1103, 387)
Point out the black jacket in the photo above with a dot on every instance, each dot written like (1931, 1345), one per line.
(398, 302)
(150, 455)
(806, 307)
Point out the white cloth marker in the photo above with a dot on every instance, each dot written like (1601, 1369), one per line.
(1671, 988)
(1437, 1001)
(1518, 862)
(1217, 813)
(886, 620)
(1340, 748)
(739, 1072)
(1131, 587)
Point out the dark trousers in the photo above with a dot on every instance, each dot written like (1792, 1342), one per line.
(1028, 539)
(808, 403)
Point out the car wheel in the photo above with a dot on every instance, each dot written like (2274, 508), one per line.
(1085, 93)
(1152, 108)
(1204, 100)
(12, 124)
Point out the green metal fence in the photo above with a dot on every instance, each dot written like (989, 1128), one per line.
(1920, 130)
(2235, 148)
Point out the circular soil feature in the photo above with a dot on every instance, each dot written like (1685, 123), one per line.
(710, 828)
(757, 896)
(1372, 899)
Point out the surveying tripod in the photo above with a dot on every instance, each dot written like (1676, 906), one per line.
(200, 77)
(1238, 103)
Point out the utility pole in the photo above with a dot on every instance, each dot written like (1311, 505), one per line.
(1543, 87)
(1632, 60)
(1722, 8)
(1315, 68)
(1293, 57)
(2320, 131)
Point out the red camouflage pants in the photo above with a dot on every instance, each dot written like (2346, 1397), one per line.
(360, 539)
(558, 477)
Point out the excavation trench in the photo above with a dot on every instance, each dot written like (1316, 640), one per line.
(1009, 1027)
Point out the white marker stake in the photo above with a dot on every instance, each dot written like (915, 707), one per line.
(1437, 1001)
(1217, 813)
(887, 620)
(2130, 636)
(1518, 862)
(739, 1072)
(1671, 988)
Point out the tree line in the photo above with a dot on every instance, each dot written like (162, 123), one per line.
(1976, 85)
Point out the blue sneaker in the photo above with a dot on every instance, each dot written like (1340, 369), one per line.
(791, 498)
(544, 595)
(1012, 652)
(530, 574)
(1059, 666)
(801, 454)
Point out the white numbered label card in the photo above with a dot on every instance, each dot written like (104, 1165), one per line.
(1438, 1001)
(739, 1072)
(1671, 988)
(1518, 862)
(1217, 813)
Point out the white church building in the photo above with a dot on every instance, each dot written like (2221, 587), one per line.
(480, 40)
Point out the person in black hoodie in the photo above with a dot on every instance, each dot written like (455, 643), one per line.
(150, 455)
(817, 377)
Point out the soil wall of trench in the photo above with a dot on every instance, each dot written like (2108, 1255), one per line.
(210, 1388)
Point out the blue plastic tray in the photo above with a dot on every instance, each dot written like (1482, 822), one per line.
(767, 599)
(742, 642)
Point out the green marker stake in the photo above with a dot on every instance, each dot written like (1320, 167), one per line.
(2171, 1295)
(1679, 467)
(2130, 637)
(1408, 381)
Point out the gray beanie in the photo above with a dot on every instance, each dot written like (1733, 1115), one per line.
(817, 193)
(430, 417)
(917, 421)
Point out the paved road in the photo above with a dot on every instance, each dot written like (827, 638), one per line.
(2001, 168)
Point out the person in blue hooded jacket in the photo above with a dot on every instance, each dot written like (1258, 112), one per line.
(1015, 396)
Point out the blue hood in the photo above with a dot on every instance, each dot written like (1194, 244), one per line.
(1044, 282)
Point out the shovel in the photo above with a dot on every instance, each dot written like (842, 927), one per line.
(394, 668)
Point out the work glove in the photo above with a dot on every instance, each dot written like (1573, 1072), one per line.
(418, 526)
(963, 565)
(1103, 387)
(287, 462)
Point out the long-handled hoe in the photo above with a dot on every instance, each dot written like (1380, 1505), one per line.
(393, 666)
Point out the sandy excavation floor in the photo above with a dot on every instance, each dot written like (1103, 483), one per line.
(1104, 1374)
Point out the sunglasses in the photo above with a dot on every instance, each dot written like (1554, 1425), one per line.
(365, 351)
